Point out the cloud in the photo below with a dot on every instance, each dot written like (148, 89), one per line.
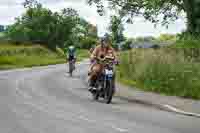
(87, 12)
(8, 2)
(9, 13)
(144, 28)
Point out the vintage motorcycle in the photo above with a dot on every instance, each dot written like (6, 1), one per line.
(104, 84)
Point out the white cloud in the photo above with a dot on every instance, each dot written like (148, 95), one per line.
(9, 2)
(143, 28)
(9, 9)
(9, 13)
(87, 12)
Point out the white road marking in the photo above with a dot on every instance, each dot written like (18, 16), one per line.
(119, 129)
(181, 111)
(86, 119)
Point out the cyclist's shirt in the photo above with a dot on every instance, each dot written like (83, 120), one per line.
(71, 53)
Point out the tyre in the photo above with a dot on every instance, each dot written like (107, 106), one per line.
(95, 96)
(110, 91)
(70, 68)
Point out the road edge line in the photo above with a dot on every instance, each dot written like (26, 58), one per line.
(179, 111)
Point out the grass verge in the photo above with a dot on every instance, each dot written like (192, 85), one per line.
(166, 71)
(12, 56)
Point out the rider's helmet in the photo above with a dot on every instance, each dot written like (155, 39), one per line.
(71, 50)
(71, 47)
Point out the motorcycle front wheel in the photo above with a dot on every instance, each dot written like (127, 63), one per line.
(109, 92)
(95, 95)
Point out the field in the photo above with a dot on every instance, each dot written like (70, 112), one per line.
(169, 71)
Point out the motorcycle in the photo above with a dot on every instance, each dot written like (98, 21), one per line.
(104, 84)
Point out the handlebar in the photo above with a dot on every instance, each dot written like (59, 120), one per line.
(106, 60)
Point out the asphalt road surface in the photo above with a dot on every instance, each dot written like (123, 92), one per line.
(47, 100)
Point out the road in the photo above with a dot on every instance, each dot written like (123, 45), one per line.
(47, 100)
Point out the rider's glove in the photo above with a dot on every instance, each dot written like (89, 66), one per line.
(92, 61)
(116, 62)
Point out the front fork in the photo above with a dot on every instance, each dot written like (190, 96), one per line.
(107, 84)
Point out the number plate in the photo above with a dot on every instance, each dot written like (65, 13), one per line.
(109, 73)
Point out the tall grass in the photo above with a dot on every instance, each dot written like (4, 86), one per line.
(165, 71)
(12, 56)
(1, 34)
(24, 50)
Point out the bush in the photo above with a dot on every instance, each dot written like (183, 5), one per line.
(186, 40)
(14, 56)
(186, 44)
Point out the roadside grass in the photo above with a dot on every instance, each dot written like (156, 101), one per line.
(166, 71)
(19, 61)
(82, 54)
(1, 34)
(12, 56)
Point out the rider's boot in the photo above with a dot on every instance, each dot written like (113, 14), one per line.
(92, 86)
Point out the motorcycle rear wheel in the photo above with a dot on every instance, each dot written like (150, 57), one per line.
(95, 95)
(70, 68)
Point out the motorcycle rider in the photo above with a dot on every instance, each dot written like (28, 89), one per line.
(101, 50)
(71, 54)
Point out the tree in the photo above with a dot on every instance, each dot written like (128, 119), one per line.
(87, 29)
(116, 28)
(86, 34)
(40, 25)
(128, 44)
(52, 29)
(157, 11)
(87, 42)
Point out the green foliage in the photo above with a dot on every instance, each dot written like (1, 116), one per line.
(10, 50)
(127, 44)
(2, 36)
(186, 40)
(12, 56)
(19, 61)
(116, 28)
(167, 37)
(87, 43)
(60, 52)
(83, 54)
(158, 11)
(167, 71)
(52, 29)
(186, 44)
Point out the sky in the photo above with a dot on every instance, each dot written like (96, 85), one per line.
(10, 9)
